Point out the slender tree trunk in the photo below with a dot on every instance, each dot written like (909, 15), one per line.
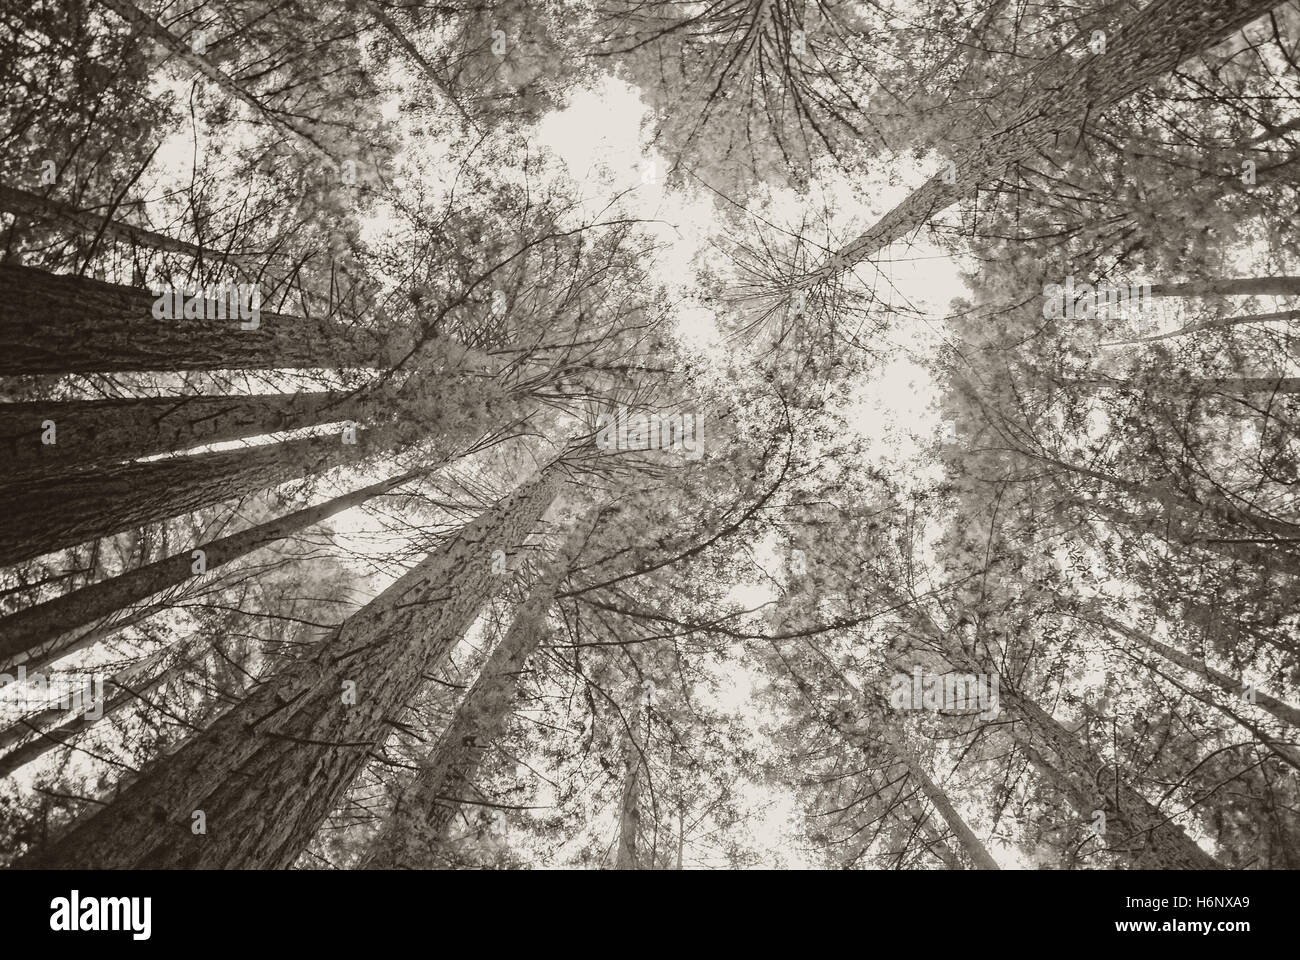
(41, 633)
(56, 728)
(52, 324)
(51, 514)
(1158, 38)
(1193, 385)
(1278, 708)
(1221, 323)
(1136, 829)
(93, 432)
(1182, 510)
(423, 814)
(182, 48)
(975, 850)
(267, 773)
(628, 856)
(934, 841)
(67, 215)
(413, 52)
(1231, 287)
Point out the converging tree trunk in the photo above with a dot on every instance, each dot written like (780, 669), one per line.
(424, 812)
(39, 634)
(252, 789)
(55, 728)
(974, 849)
(297, 129)
(1136, 830)
(68, 216)
(1158, 38)
(628, 855)
(53, 513)
(88, 433)
(1281, 710)
(54, 323)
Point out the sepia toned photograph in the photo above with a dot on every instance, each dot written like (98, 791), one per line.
(651, 435)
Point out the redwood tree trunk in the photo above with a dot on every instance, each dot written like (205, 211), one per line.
(1136, 829)
(1158, 38)
(628, 855)
(58, 213)
(38, 634)
(1231, 287)
(55, 728)
(53, 323)
(50, 514)
(91, 432)
(935, 842)
(975, 850)
(181, 48)
(424, 812)
(1278, 708)
(268, 772)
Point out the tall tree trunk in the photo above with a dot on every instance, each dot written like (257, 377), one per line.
(1278, 708)
(41, 633)
(178, 47)
(1230, 287)
(1136, 829)
(1192, 385)
(423, 813)
(267, 773)
(1158, 38)
(413, 52)
(628, 855)
(935, 842)
(56, 728)
(1219, 323)
(92, 432)
(1158, 525)
(52, 324)
(67, 215)
(975, 850)
(51, 514)
(1181, 509)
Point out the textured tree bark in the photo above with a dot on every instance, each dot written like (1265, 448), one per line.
(1158, 38)
(423, 813)
(52, 323)
(93, 432)
(53, 513)
(41, 633)
(268, 772)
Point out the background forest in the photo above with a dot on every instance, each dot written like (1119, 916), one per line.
(364, 579)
